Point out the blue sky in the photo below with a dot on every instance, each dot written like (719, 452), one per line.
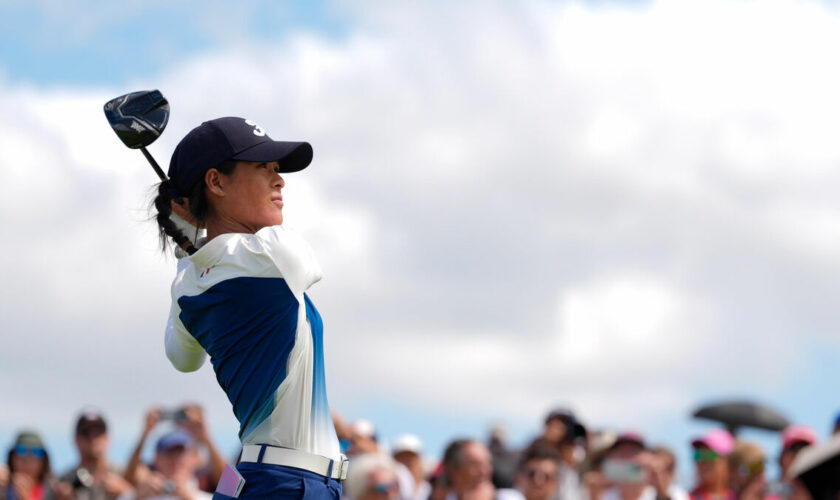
(51, 43)
(667, 237)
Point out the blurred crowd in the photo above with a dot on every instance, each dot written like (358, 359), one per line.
(186, 463)
(565, 461)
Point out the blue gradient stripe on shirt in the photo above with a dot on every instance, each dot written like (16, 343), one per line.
(249, 340)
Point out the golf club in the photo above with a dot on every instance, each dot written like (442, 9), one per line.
(138, 118)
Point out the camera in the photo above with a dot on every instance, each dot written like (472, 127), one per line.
(83, 479)
(175, 415)
(168, 487)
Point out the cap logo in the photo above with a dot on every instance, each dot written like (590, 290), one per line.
(258, 131)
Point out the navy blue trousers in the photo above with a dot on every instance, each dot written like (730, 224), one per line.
(286, 483)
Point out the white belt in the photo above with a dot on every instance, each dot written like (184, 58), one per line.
(288, 457)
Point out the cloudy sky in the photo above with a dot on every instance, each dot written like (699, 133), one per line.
(630, 208)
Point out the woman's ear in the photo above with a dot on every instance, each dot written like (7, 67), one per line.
(215, 183)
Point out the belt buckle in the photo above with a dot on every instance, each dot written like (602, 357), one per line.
(342, 469)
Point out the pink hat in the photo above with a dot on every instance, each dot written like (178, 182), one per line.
(717, 440)
(797, 433)
(630, 437)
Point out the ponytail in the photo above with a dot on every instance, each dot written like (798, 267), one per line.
(166, 228)
(198, 207)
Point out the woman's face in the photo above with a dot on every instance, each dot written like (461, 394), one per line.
(249, 197)
(711, 467)
(28, 464)
(178, 462)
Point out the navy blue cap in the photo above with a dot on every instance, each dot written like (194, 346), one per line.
(230, 138)
(91, 422)
(174, 438)
(564, 414)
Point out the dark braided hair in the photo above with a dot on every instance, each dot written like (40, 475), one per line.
(198, 208)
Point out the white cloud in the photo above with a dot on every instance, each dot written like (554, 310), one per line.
(619, 315)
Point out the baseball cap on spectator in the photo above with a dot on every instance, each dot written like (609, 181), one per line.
(174, 439)
(629, 437)
(365, 429)
(29, 439)
(564, 414)
(407, 442)
(91, 423)
(798, 433)
(717, 440)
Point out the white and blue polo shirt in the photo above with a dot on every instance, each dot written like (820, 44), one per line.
(241, 299)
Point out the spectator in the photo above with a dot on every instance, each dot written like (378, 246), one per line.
(189, 418)
(362, 438)
(633, 472)
(172, 475)
(505, 460)
(193, 421)
(600, 443)
(4, 476)
(746, 471)
(93, 478)
(342, 431)
(537, 474)
(372, 477)
(468, 470)
(669, 466)
(29, 469)
(567, 435)
(437, 480)
(710, 454)
(794, 439)
(407, 451)
(836, 429)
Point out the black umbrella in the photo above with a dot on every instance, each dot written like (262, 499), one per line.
(818, 467)
(737, 414)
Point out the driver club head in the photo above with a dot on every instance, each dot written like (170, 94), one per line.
(138, 118)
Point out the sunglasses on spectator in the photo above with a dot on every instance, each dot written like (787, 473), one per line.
(796, 446)
(705, 455)
(534, 474)
(91, 432)
(384, 488)
(745, 470)
(35, 451)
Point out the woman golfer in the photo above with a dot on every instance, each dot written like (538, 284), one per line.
(240, 297)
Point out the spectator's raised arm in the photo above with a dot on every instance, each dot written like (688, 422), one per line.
(135, 470)
(195, 423)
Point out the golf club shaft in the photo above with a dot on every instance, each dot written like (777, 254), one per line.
(153, 163)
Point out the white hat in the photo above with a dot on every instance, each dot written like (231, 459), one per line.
(407, 442)
(364, 428)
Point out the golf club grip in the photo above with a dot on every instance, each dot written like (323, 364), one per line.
(154, 164)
